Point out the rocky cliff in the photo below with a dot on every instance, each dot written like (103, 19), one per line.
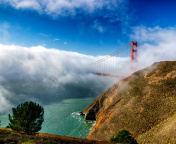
(143, 103)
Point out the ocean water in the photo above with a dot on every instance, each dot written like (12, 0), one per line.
(62, 118)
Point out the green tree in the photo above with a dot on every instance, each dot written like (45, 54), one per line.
(27, 117)
(123, 137)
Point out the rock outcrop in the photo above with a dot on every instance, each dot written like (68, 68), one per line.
(143, 103)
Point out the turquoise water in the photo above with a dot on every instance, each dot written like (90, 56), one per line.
(62, 118)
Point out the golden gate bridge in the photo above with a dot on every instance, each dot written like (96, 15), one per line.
(102, 61)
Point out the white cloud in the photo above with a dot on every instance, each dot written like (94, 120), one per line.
(158, 44)
(4, 99)
(44, 35)
(4, 31)
(98, 26)
(65, 43)
(109, 10)
(34, 4)
(68, 7)
(48, 75)
(56, 39)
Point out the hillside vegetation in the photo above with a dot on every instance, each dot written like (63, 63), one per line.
(7, 136)
(143, 103)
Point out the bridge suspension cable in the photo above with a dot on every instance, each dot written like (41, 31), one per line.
(105, 65)
(112, 54)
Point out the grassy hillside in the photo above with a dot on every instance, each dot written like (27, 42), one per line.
(163, 133)
(142, 103)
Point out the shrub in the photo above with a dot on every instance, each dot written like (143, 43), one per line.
(27, 117)
(123, 137)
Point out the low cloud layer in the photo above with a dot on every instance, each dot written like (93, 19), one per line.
(49, 75)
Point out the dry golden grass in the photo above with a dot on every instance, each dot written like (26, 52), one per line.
(149, 98)
(163, 133)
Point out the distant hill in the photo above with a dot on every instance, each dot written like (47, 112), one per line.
(143, 103)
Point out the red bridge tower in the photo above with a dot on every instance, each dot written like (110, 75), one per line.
(133, 51)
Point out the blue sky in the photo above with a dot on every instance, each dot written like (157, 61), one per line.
(92, 27)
